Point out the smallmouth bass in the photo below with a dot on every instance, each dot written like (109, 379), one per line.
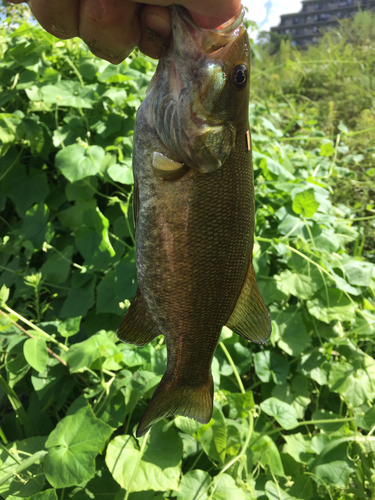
(194, 213)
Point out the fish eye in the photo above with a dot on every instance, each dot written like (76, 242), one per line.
(239, 76)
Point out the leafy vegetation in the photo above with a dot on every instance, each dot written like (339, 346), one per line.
(293, 419)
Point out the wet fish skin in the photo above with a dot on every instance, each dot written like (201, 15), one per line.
(194, 222)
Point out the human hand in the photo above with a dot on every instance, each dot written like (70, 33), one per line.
(113, 28)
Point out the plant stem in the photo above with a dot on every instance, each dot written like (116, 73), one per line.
(25, 464)
(36, 328)
(231, 362)
(141, 452)
(32, 337)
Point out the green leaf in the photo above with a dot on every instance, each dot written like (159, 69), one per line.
(126, 277)
(275, 492)
(304, 203)
(213, 436)
(328, 415)
(45, 495)
(298, 446)
(69, 327)
(293, 333)
(4, 295)
(73, 446)
(84, 354)
(327, 149)
(92, 239)
(187, 425)
(56, 268)
(35, 352)
(333, 306)
(35, 226)
(114, 411)
(335, 473)
(269, 365)
(160, 467)
(79, 300)
(68, 93)
(272, 165)
(315, 366)
(27, 455)
(366, 421)
(101, 487)
(239, 404)
(266, 452)
(295, 394)
(141, 382)
(79, 161)
(359, 272)
(107, 301)
(122, 172)
(299, 285)
(283, 413)
(194, 485)
(354, 385)
(25, 189)
(224, 487)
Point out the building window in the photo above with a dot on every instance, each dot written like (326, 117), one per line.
(344, 3)
(315, 29)
(323, 17)
(319, 6)
(295, 20)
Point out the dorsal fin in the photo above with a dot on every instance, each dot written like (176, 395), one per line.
(250, 317)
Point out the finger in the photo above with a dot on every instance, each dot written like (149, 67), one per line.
(212, 13)
(110, 28)
(207, 13)
(57, 17)
(156, 30)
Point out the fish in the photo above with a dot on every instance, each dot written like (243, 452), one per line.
(193, 207)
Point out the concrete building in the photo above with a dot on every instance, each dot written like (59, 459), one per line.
(305, 26)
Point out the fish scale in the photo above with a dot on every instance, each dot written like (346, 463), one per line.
(194, 235)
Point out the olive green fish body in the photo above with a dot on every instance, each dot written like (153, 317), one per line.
(194, 227)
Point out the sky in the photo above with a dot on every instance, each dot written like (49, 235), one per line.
(266, 13)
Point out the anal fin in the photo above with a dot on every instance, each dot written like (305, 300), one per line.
(137, 327)
(250, 317)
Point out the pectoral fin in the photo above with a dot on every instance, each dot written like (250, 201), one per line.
(168, 169)
(137, 327)
(250, 317)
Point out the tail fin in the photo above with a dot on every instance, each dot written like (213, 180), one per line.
(172, 398)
